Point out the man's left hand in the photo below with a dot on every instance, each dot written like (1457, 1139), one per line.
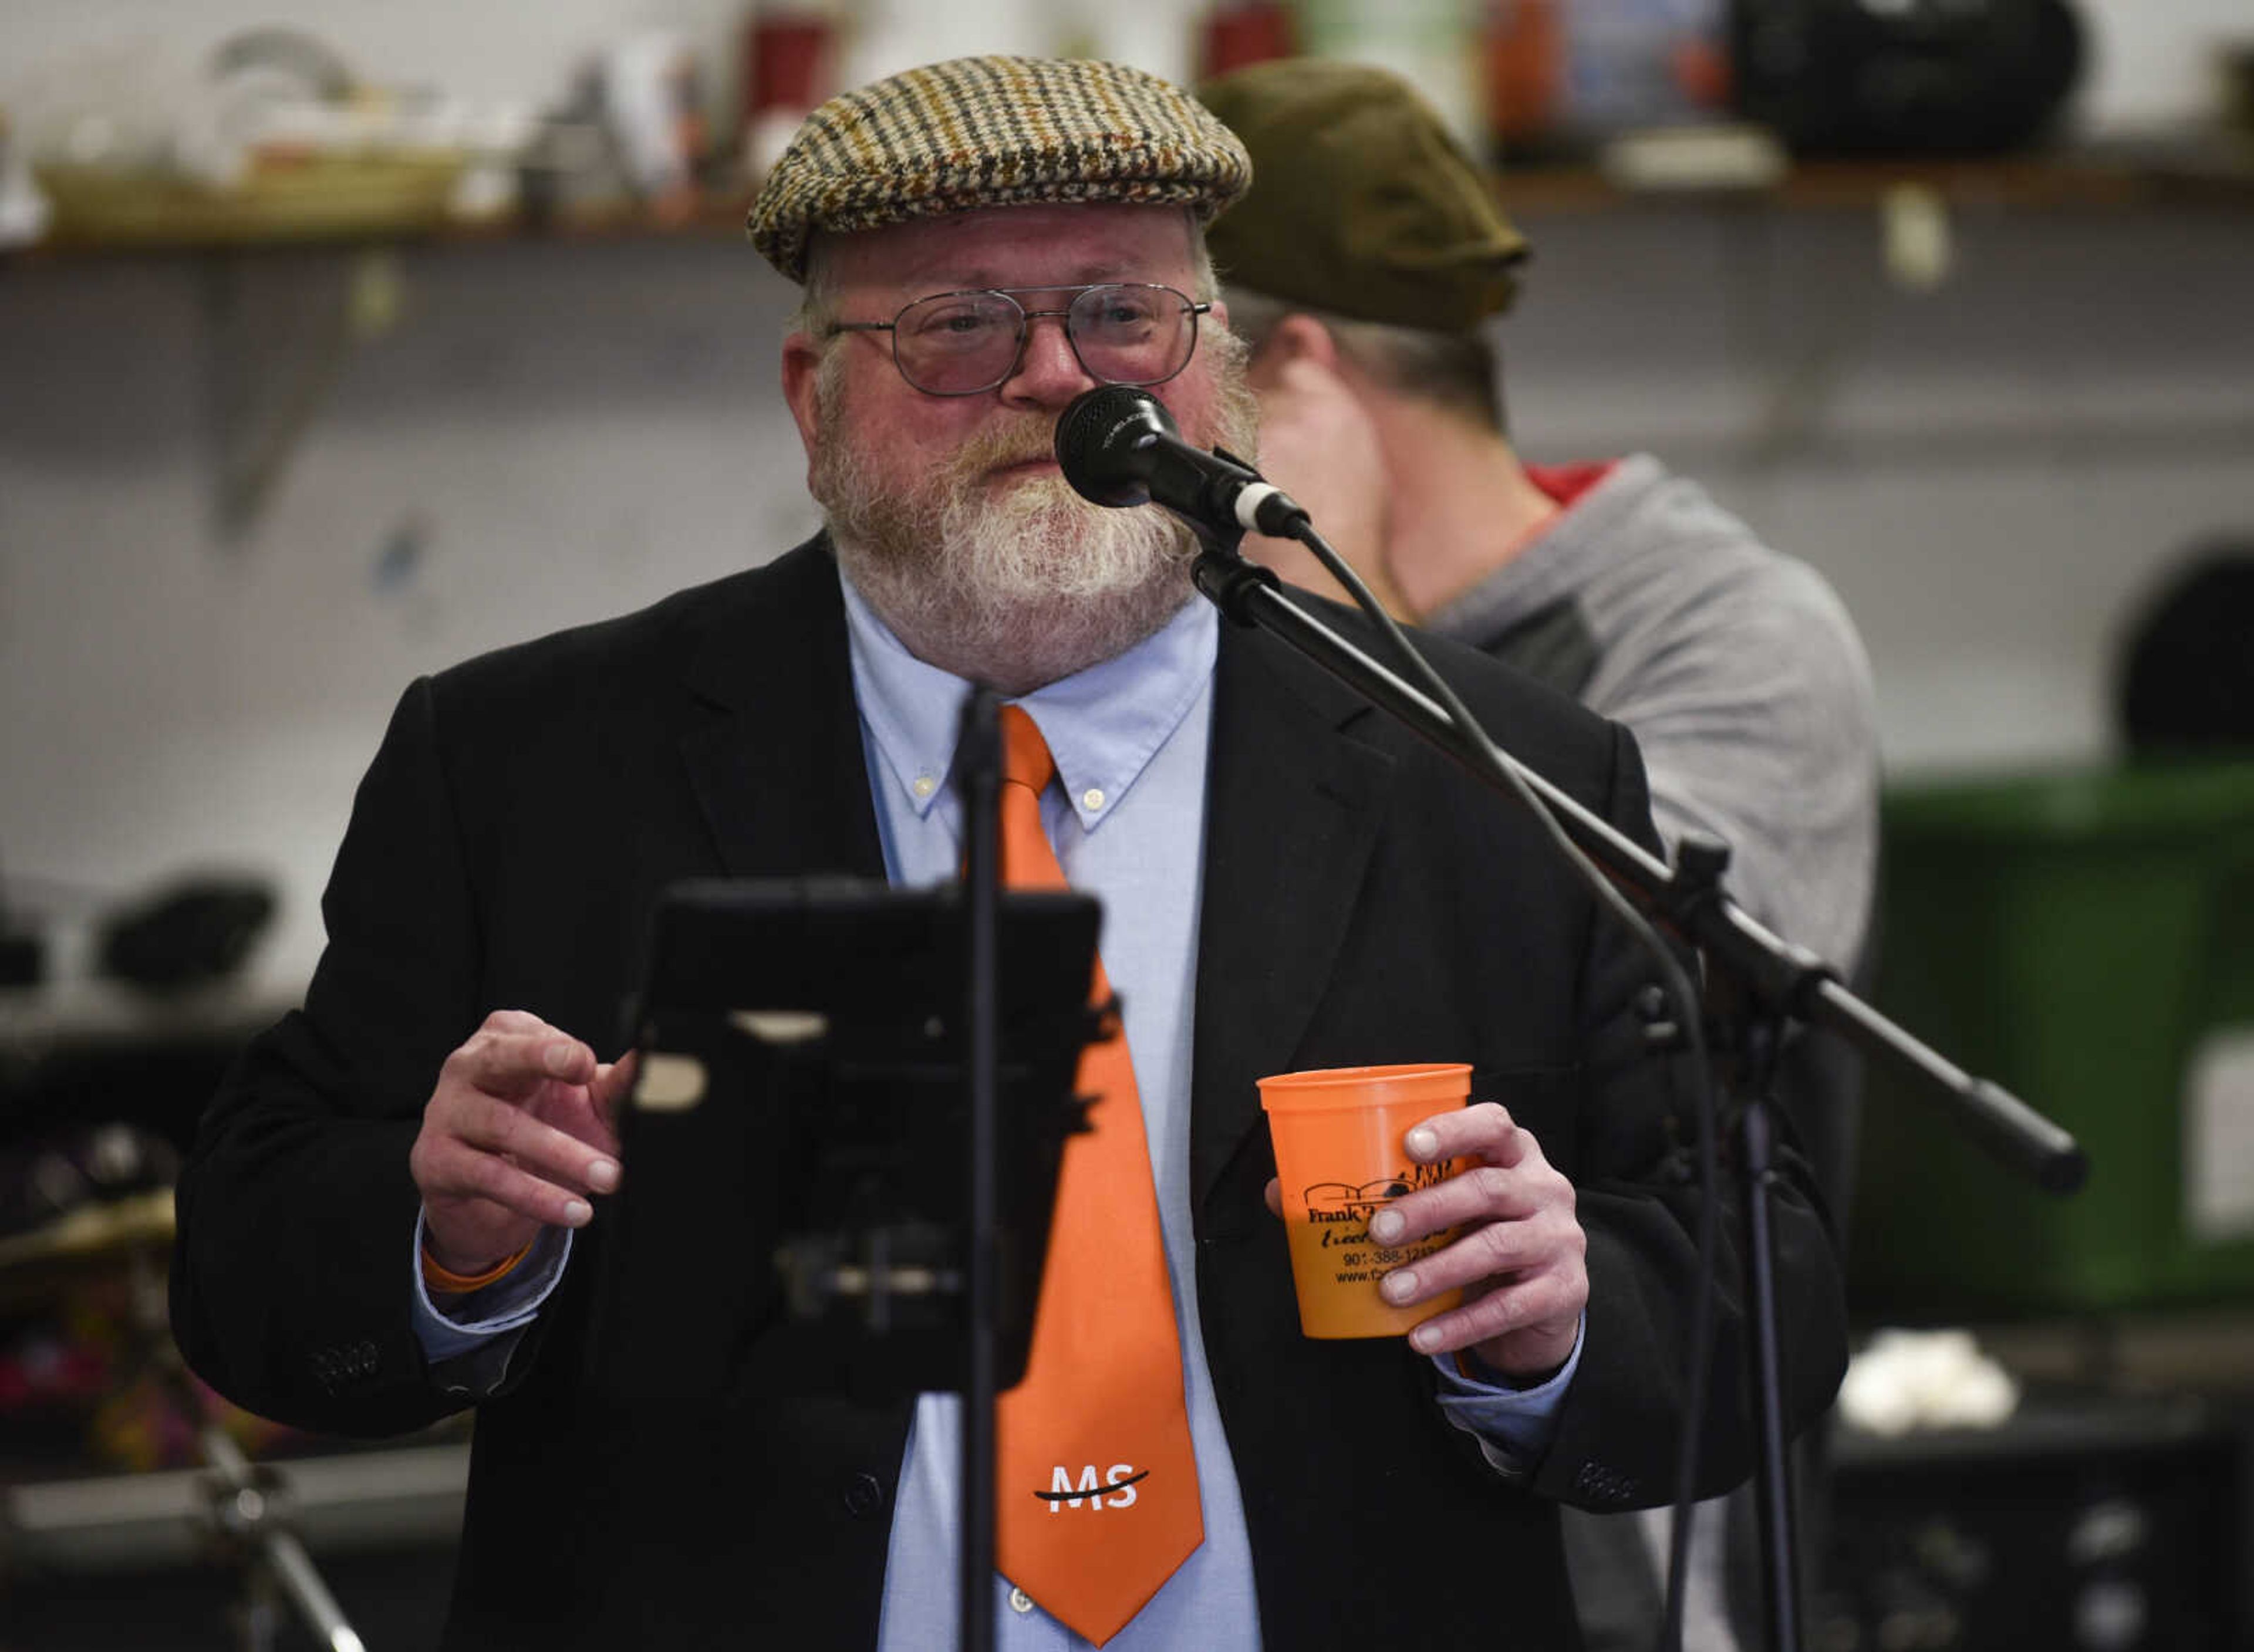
(1520, 1259)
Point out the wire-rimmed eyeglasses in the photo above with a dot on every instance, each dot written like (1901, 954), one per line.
(964, 343)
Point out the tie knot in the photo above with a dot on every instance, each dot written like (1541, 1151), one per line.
(1025, 758)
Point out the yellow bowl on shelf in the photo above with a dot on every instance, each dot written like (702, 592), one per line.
(310, 198)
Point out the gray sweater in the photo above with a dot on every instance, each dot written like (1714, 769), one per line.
(1736, 668)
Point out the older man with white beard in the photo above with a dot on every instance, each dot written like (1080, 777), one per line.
(947, 511)
(395, 1204)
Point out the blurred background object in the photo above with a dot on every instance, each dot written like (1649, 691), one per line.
(646, 87)
(1561, 77)
(83, 1168)
(23, 211)
(2094, 1523)
(1238, 32)
(271, 137)
(2083, 937)
(23, 950)
(1955, 77)
(2187, 670)
(790, 58)
(1424, 41)
(193, 933)
(118, 1526)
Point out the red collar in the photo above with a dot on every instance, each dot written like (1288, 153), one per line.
(1564, 484)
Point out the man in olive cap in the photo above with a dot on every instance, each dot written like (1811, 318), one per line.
(1362, 267)
(400, 1205)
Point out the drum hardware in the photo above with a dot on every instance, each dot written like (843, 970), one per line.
(245, 1512)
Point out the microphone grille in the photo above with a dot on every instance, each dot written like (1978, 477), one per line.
(1096, 437)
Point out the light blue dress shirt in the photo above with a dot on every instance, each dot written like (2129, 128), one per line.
(1129, 738)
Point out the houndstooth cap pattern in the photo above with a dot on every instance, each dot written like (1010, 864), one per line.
(993, 131)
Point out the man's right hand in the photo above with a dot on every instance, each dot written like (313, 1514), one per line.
(519, 1134)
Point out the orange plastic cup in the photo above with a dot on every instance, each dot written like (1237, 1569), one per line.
(1337, 1133)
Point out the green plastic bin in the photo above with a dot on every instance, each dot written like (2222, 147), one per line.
(2087, 941)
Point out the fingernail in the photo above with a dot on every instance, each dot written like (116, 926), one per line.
(1422, 1142)
(1423, 1339)
(559, 1058)
(602, 1175)
(1399, 1286)
(577, 1212)
(1387, 1226)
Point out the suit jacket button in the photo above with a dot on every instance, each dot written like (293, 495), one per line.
(863, 1497)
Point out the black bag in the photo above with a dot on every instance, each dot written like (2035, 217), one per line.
(1955, 77)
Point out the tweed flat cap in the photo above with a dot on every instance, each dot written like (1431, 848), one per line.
(1366, 206)
(993, 131)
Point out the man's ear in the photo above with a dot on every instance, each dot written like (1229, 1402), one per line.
(801, 371)
(1297, 337)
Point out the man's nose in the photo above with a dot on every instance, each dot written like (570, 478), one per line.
(1048, 372)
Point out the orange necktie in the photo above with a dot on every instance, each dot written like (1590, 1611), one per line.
(1096, 1494)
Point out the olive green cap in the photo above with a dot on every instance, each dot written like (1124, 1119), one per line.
(1363, 204)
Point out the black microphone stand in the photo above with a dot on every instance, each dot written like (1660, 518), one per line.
(1768, 983)
(978, 777)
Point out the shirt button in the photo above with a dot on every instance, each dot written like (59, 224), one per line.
(1092, 799)
(924, 785)
(1020, 1602)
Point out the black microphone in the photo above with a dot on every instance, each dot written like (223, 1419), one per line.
(1118, 446)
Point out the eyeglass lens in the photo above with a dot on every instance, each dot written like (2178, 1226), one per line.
(957, 343)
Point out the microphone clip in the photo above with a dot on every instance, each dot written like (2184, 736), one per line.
(1227, 579)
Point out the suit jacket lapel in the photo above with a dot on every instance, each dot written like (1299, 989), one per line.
(1294, 807)
(774, 745)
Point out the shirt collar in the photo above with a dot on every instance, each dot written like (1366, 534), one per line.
(1103, 724)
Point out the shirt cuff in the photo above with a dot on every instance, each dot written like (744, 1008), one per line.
(1512, 1426)
(471, 1320)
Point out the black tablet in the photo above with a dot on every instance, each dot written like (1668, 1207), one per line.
(796, 1146)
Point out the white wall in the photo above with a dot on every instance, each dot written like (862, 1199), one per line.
(2152, 62)
(565, 435)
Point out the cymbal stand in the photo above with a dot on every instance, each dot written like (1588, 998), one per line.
(247, 1506)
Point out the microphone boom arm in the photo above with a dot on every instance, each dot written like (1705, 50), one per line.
(1790, 978)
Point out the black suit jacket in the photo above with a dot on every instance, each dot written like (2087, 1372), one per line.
(1364, 902)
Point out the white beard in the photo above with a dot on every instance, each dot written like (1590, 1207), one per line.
(1013, 587)
(1018, 587)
